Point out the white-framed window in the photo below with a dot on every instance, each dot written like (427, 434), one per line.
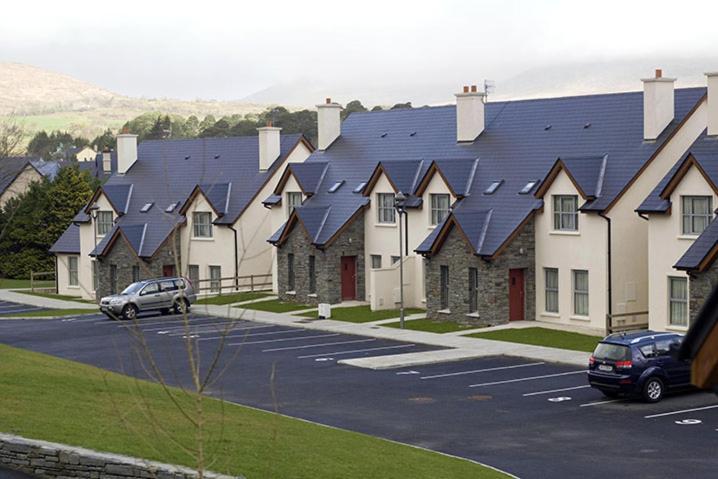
(72, 271)
(697, 212)
(193, 273)
(312, 274)
(551, 289)
(215, 279)
(104, 222)
(439, 207)
(444, 286)
(294, 199)
(395, 259)
(291, 280)
(580, 292)
(473, 290)
(376, 261)
(565, 212)
(677, 301)
(135, 273)
(385, 208)
(202, 224)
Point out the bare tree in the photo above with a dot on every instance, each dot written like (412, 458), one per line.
(12, 135)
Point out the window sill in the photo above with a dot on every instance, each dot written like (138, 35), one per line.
(291, 293)
(580, 318)
(385, 225)
(310, 295)
(69, 286)
(688, 237)
(681, 329)
(444, 311)
(564, 233)
(473, 315)
(549, 314)
(202, 238)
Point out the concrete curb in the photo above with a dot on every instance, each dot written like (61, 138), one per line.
(42, 302)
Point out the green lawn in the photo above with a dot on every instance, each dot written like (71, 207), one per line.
(6, 283)
(543, 337)
(430, 326)
(56, 296)
(41, 396)
(275, 306)
(44, 313)
(363, 314)
(233, 298)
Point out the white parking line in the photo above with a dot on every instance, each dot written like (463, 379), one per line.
(284, 339)
(246, 335)
(169, 324)
(356, 351)
(474, 371)
(319, 345)
(531, 378)
(229, 336)
(556, 390)
(589, 404)
(680, 412)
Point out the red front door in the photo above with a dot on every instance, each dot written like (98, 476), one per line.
(349, 277)
(516, 295)
(168, 270)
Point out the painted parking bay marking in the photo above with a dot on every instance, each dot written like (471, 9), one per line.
(680, 412)
(688, 422)
(537, 393)
(284, 339)
(336, 353)
(598, 403)
(475, 371)
(530, 378)
(306, 346)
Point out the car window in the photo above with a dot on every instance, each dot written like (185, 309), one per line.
(180, 284)
(663, 346)
(150, 289)
(648, 351)
(168, 285)
(612, 352)
(133, 288)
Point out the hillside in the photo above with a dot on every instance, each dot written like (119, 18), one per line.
(44, 99)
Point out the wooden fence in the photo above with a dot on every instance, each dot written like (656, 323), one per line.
(219, 286)
(43, 282)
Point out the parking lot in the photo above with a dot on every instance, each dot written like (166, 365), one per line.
(7, 307)
(527, 417)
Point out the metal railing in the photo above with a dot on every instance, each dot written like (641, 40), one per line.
(39, 285)
(613, 326)
(219, 286)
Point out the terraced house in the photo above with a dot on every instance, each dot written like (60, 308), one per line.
(514, 209)
(190, 207)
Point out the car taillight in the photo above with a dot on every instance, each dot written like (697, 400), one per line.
(624, 364)
(591, 360)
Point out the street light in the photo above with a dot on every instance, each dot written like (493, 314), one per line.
(399, 201)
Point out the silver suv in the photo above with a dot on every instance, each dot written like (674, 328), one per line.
(165, 295)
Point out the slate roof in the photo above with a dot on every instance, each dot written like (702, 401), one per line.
(96, 167)
(521, 142)
(168, 171)
(308, 175)
(700, 250)
(68, 242)
(11, 167)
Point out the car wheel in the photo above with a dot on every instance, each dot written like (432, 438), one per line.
(653, 390)
(129, 312)
(181, 306)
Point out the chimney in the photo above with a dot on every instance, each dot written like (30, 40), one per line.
(328, 123)
(107, 160)
(712, 103)
(658, 104)
(469, 114)
(126, 152)
(269, 145)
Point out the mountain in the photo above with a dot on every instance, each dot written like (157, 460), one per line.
(44, 99)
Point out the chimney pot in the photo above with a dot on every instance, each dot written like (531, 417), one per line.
(659, 73)
(658, 104)
(469, 114)
(126, 152)
(269, 145)
(712, 103)
(328, 123)
(473, 89)
(328, 101)
(466, 89)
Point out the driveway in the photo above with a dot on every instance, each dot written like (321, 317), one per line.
(532, 418)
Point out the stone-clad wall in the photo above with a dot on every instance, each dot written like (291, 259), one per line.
(50, 460)
(122, 256)
(327, 265)
(700, 287)
(493, 294)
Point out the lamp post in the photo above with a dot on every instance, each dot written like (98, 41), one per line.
(93, 214)
(399, 201)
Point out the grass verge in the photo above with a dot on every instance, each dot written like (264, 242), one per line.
(543, 337)
(431, 326)
(63, 297)
(6, 283)
(363, 314)
(233, 298)
(275, 306)
(41, 394)
(45, 313)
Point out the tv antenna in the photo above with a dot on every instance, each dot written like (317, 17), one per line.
(489, 87)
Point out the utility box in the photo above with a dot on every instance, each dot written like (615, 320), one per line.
(325, 311)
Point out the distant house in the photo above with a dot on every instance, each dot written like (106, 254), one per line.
(191, 207)
(81, 153)
(515, 209)
(17, 173)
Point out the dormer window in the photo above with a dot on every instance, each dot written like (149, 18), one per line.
(697, 212)
(202, 224)
(493, 187)
(294, 199)
(439, 208)
(385, 208)
(565, 212)
(103, 222)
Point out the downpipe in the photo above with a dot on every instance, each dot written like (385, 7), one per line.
(609, 314)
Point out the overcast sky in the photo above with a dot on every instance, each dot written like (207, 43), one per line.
(227, 50)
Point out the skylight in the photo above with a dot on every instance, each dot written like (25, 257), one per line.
(493, 187)
(336, 186)
(528, 187)
(359, 187)
(146, 207)
(171, 208)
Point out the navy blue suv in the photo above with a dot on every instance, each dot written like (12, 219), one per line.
(638, 363)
